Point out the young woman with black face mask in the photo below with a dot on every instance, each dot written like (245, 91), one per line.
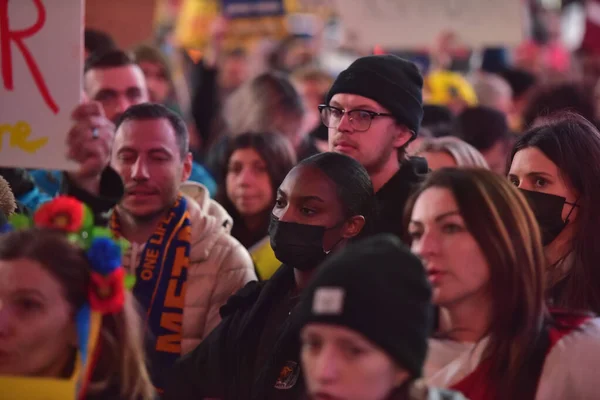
(324, 202)
(555, 164)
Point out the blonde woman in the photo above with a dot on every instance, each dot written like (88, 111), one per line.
(450, 152)
(267, 103)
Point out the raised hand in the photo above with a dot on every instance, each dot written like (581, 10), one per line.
(89, 144)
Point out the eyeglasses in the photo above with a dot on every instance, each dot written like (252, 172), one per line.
(360, 120)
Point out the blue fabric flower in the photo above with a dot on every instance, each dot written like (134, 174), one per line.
(105, 255)
(6, 228)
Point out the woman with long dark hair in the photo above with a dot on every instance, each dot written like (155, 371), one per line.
(255, 165)
(481, 247)
(556, 166)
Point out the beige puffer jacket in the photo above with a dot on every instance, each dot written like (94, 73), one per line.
(219, 265)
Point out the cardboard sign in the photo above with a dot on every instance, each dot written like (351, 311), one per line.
(410, 24)
(40, 80)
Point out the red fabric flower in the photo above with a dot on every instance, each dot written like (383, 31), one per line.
(107, 292)
(64, 213)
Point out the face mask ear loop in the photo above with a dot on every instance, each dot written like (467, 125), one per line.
(339, 241)
(334, 246)
(573, 205)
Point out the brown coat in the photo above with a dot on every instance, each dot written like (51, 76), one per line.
(219, 265)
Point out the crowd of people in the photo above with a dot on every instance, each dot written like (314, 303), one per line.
(385, 233)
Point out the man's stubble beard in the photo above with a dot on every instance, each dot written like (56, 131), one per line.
(144, 219)
(381, 161)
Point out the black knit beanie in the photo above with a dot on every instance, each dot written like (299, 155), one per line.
(391, 81)
(378, 288)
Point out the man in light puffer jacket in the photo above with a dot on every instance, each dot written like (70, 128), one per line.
(184, 260)
(219, 265)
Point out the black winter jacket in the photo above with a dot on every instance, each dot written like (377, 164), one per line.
(392, 197)
(223, 366)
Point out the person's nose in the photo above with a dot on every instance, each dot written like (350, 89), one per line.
(427, 245)
(246, 177)
(122, 104)
(345, 125)
(326, 367)
(285, 215)
(139, 171)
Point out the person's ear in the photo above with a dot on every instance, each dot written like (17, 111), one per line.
(353, 226)
(187, 167)
(402, 136)
(401, 376)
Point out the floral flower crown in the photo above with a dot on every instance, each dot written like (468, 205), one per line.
(106, 293)
(102, 248)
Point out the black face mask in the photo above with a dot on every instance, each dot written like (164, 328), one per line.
(547, 209)
(298, 245)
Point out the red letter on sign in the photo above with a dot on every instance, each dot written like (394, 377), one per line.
(6, 36)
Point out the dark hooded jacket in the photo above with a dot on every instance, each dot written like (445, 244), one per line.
(252, 354)
(392, 197)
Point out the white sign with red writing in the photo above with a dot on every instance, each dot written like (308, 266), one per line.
(411, 24)
(40, 80)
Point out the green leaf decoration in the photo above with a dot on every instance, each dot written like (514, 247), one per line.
(88, 217)
(100, 231)
(124, 243)
(129, 281)
(19, 221)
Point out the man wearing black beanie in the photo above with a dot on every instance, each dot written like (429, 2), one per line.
(374, 109)
(375, 297)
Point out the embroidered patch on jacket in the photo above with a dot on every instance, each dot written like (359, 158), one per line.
(328, 301)
(288, 376)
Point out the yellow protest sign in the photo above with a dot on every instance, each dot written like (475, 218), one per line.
(249, 20)
(19, 388)
(19, 134)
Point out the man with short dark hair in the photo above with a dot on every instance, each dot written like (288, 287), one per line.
(374, 109)
(116, 81)
(185, 261)
(112, 79)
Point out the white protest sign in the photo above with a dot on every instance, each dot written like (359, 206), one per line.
(40, 80)
(410, 24)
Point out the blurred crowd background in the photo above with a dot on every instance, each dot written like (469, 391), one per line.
(195, 56)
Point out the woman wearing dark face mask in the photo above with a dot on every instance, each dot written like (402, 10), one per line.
(324, 202)
(555, 164)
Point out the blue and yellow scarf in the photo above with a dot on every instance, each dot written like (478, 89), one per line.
(160, 286)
